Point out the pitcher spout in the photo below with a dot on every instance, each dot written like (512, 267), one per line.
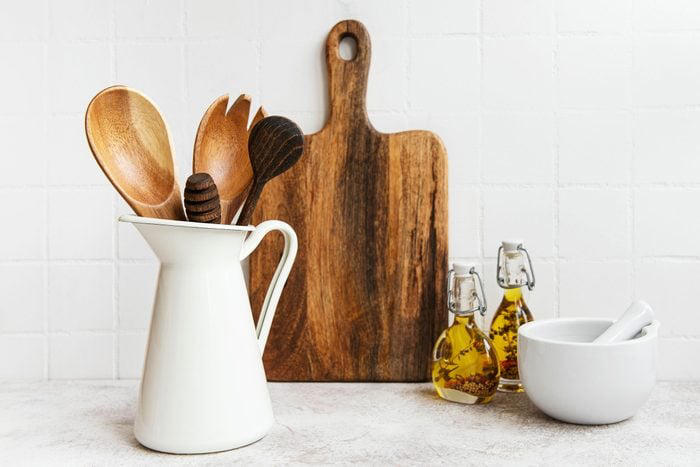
(191, 242)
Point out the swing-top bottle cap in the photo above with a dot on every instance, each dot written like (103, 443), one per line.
(511, 244)
(462, 268)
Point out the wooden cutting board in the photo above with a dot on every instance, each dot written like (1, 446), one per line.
(366, 297)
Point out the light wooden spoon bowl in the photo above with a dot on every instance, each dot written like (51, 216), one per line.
(221, 150)
(131, 143)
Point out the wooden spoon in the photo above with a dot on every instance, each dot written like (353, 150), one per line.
(221, 150)
(275, 144)
(130, 142)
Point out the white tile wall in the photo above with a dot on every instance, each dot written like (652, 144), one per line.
(674, 54)
(595, 147)
(22, 290)
(668, 287)
(25, 20)
(464, 207)
(662, 225)
(518, 72)
(517, 16)
(75, 166)
(21, 139)
(23, 357)
(148, 19)
(669, 15)
(593, 223)
(526, 155)
(579, 281)
(667, 145)
(606, 16)
(80, 224)
(137, 287)
(438, 84)
(386, 89)
(81, 297)
(234, 18)
(80, 19)
(593, 73)
(571, 124)
(446, 17)
(519, 213)
(24, 80)
(74, 71)
(156, 70)
(132, 350)
(81, 356)
(25, 237)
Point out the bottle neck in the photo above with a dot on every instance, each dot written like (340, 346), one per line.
(465, 319)
(513, 295)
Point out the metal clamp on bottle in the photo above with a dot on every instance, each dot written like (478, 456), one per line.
(462, 295)
(511, 272)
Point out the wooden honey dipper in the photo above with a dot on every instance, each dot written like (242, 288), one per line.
(202, 199)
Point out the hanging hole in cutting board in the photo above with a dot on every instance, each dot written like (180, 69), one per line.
(347, 48)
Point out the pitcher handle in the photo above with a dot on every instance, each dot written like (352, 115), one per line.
(272, 297)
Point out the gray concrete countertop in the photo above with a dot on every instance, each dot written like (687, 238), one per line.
(90, 423)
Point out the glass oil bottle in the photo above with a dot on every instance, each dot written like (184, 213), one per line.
(511, 275)
(465, 364)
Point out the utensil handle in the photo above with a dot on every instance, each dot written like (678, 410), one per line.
(347, 79)
(249, 206)
(637, 316)
(274, 292)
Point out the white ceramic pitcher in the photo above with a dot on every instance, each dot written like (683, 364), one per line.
(203, 387)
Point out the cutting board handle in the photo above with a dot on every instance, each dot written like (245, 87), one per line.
(347, 79)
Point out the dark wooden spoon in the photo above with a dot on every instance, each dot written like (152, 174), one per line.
(274, 145)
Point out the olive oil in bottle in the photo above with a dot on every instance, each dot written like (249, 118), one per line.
(465, 364)
(512, 275)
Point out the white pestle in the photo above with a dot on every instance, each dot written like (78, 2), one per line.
(637, 316)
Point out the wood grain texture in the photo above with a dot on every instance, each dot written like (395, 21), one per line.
(221, 150)
(202, 203)
(365, 300)
(130, 141)
(275, 145)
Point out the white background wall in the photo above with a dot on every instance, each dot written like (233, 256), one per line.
(573, 124)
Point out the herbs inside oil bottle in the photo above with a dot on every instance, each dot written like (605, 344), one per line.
(465, 364)
(513, 272)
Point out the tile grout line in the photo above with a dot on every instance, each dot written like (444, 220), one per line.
(185, 59)
(47, 251)
(481, 210)
(223, 38)
(487, 110)
(116, 270)
(142, 332)
(563, 259)
(503, 186)
(631, 216)
(556, 162)
(258, 54)
(481, 228)
(408, 35)
(408, 104)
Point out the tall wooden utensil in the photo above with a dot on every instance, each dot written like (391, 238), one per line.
(366, 298)
(276, 144)
(221, 150)
(131, 143)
